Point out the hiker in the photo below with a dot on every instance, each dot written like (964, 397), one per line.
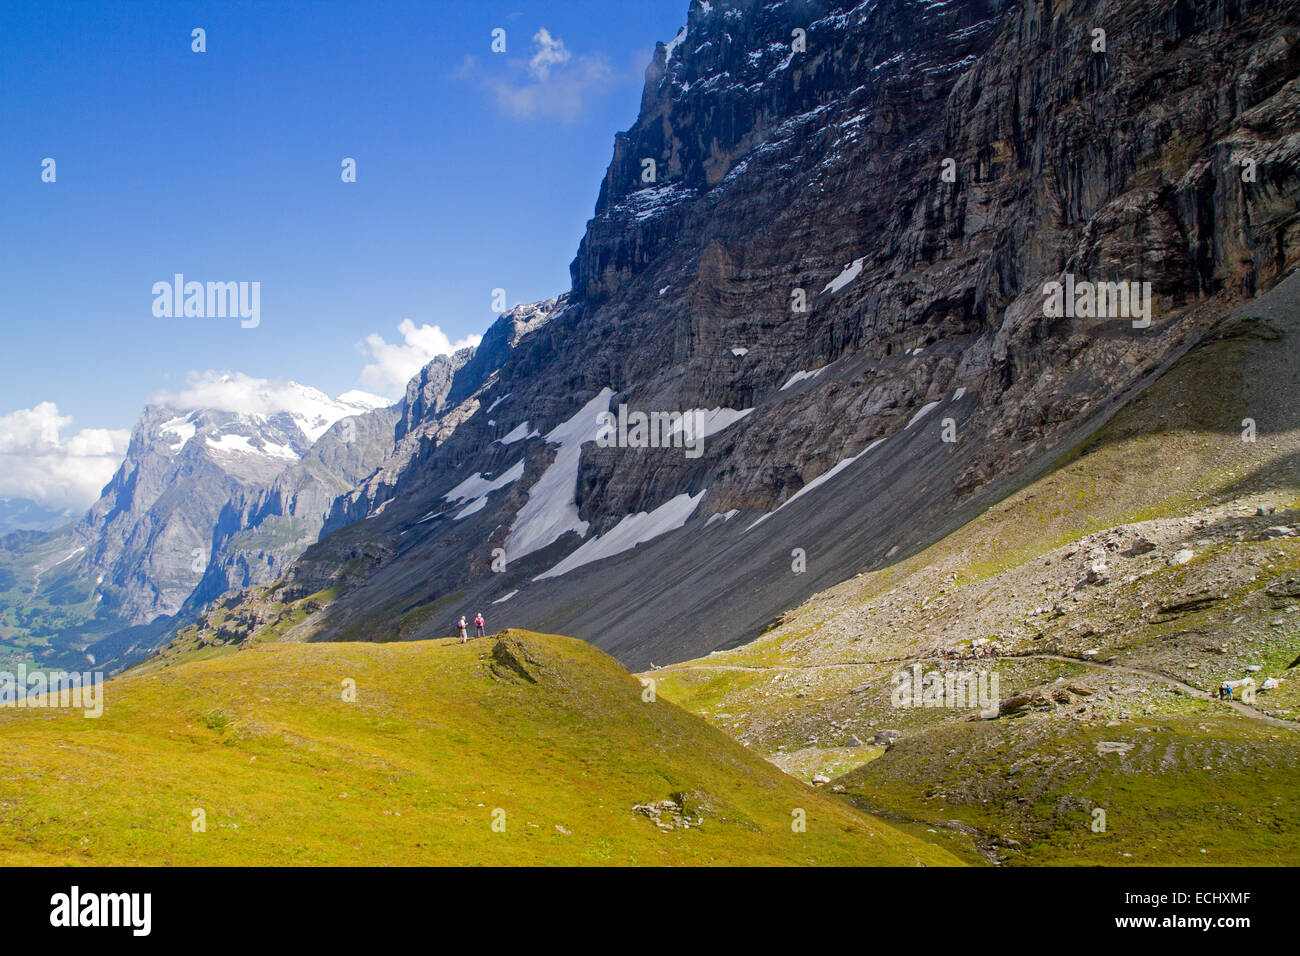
(464, 629)
(479, 623)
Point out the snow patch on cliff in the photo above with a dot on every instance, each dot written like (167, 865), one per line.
(183, 429)
(552, 508)
(925, 410)
(671, 46)
(629, 532)
(518, 433)
(851, 272)
(476, 488)
(653, 201)
(242, 445)
(700, 423)
(801, 376)
(817, 482)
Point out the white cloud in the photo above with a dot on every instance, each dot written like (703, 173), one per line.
(243, 394)
(394, 363)
(550, 52)
(233, 392)
(552, 83)
(64, 473)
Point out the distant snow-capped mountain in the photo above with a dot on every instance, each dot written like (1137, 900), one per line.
(151, 533)
(283, 433)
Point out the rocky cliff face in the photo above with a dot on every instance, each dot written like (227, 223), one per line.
(779, 169)
(830, 230)
(445, 393)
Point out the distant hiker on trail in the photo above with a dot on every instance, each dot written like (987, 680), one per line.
(479, 623)
(464, 629)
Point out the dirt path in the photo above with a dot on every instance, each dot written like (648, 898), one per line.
(1182, 687)
(777, 667)
(36, 579)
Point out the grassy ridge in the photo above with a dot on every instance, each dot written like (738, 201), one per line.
(547, 729)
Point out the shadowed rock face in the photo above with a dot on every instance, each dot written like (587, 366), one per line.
(445, 393)
(777, 170)
(1167, 157)
(426, 394)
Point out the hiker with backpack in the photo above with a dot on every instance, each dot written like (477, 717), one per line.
(479, 623)
(464, 629)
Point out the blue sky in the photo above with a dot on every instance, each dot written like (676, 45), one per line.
(475, 170)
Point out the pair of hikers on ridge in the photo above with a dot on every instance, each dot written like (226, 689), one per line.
(479, 625)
